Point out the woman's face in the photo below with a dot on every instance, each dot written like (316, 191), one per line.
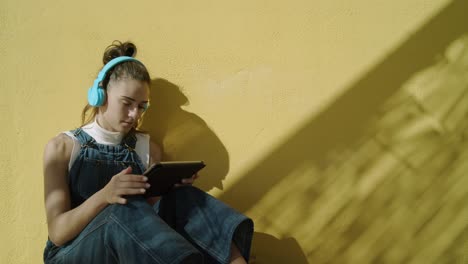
(125, 103)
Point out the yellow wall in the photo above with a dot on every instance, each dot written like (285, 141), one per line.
(336, 125)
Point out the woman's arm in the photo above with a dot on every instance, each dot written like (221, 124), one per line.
(65, 224)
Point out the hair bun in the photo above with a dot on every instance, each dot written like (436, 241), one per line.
(118, 49)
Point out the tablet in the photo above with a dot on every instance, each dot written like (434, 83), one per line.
(163, 176)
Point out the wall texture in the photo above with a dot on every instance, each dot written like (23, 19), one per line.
(338, 126)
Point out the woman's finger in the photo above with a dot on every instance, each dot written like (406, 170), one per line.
(121, 200)
(131, 191)
(132, 178)
(133, 184)
(188, 181)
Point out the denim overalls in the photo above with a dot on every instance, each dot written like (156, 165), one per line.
(186, 226)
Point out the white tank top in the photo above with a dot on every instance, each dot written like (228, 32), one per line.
(106, 137)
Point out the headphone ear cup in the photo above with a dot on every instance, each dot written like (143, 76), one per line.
(96, 96)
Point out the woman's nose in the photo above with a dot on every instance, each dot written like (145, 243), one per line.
(133, 112)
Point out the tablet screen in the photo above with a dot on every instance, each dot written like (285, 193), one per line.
(163, 175)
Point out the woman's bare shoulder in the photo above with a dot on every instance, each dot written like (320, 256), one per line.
(59, 147)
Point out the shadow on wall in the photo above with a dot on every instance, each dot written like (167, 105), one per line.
(269, 249)
(185, 136)
(379, 175)
(344, 122)
(367, 196)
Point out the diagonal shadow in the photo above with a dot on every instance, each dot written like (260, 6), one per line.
(344, 122)
(342, 126)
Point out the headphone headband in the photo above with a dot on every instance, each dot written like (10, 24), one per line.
(111, 64)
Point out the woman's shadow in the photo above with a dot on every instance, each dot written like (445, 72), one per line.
(185, 136)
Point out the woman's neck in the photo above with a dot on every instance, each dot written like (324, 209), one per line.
(100, 120)
(102, 135)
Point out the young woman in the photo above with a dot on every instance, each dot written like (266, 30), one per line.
(93, 186)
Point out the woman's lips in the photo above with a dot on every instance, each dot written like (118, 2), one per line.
(127, 123)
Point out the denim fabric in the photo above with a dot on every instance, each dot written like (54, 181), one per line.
(186, 226)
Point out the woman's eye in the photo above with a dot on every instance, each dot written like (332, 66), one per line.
(143, 107)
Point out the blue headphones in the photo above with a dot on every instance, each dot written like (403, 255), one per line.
(97, 94)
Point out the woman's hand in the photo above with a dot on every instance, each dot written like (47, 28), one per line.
(123, 184)
(188, 181)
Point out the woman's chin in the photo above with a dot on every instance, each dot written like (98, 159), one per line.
(125, 127)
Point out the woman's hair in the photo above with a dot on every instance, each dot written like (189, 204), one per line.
(129, 69)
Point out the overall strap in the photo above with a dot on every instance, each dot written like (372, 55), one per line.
(130, 140)
(83, 137)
